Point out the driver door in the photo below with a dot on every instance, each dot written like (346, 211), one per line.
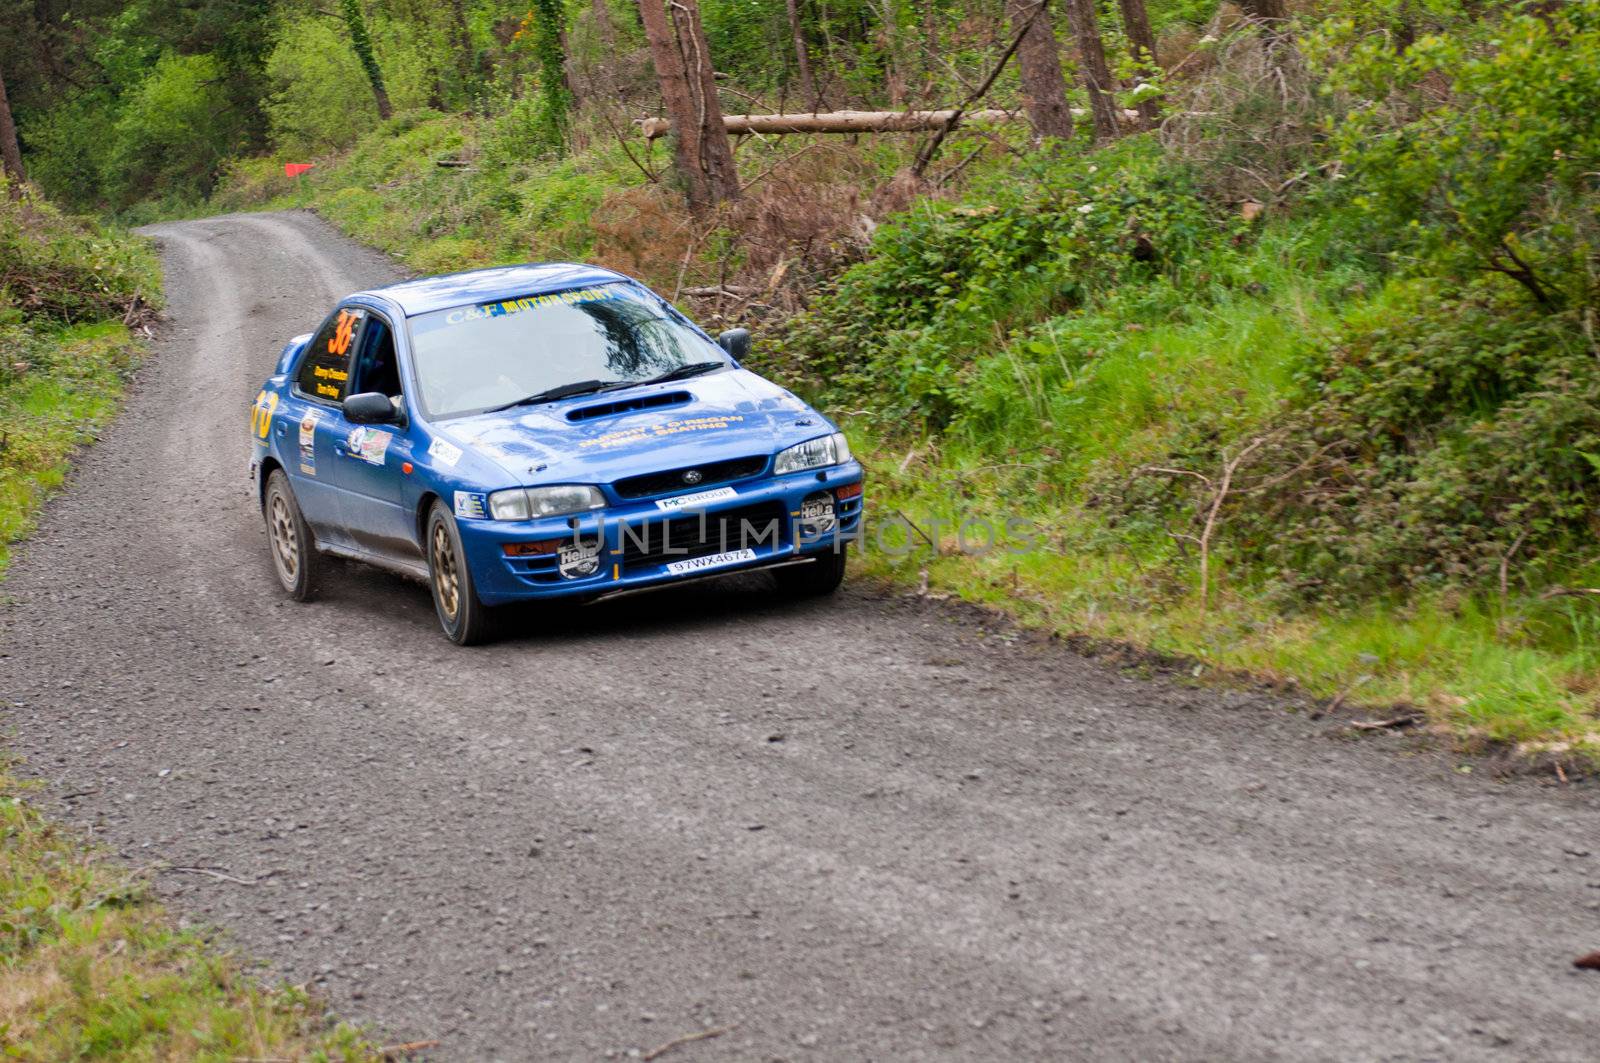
(368, 458)
(307, 429)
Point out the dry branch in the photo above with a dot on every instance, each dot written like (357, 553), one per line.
(688, 1038)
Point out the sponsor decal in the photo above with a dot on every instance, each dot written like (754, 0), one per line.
(369, 444)
(697, 499)
(261, 415)
(700, 564)
(579, 559)
(529, 302)
(444, 452)
(666, 428)
(816, 514)
(308, 441)
(470, 505)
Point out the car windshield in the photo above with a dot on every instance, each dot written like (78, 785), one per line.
(539, 348)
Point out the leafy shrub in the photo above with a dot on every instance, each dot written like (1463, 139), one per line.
(945, 282)
(1481, 145)
(173, 131)
(1442, 438)
(55, 269)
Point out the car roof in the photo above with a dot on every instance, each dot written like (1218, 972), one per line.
(486, 285)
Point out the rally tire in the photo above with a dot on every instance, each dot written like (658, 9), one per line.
(466, 621)
(289, 541)
(821, 577)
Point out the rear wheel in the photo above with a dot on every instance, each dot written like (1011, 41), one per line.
(466, 620)
(294, 552)
(813, 580)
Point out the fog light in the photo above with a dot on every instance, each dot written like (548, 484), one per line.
(579, 559)
(816, 515)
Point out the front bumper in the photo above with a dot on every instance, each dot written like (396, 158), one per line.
(641, 544)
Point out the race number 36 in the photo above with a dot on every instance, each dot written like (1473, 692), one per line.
(340, 343)
(261, 413)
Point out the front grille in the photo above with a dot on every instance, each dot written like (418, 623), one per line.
(672, 482)
(696, 535)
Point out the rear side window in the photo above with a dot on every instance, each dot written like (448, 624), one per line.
(325, 369)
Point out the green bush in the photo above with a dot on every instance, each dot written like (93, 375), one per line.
(1441, 438)
(57, 270)
(173, 132)
(1481, 145)
(945, 284)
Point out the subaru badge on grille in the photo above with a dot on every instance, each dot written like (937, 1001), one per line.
(692, 476)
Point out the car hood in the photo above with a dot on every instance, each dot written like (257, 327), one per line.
(603, 437)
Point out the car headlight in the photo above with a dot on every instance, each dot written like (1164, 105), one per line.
(812, 454)
(529, 503)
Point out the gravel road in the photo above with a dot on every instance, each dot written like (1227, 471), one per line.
(868, 828)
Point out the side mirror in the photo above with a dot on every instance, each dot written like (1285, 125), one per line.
(736, 341)
(370, 407)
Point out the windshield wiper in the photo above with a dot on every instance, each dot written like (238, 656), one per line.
(564, 391)
(585, 387)
(683, 372)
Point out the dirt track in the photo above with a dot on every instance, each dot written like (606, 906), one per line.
(859, 829)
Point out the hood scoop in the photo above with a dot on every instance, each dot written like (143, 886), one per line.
(642, 402)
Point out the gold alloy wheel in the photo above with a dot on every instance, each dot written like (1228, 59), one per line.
(285, 543)
(445, 582)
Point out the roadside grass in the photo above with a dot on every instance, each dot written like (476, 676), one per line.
(1448, 659)
(44, 417)
(91, 967)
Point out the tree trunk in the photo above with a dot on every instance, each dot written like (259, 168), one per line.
(462, 39)
(604, 27)
(675, 96)
(1044, 88)
(1265, 10)
(361, 42)
(10, 152)
(690, 100)
(716, 152)
(1142, 43)
(895, 80)
(802, 55)
(1093, 69)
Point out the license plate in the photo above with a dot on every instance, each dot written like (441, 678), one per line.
(700, 564)
(698, 499)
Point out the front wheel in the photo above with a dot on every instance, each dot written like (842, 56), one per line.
(464, 618)
(814, 580)
(294, 552)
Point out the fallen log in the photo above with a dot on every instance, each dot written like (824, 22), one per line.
(835, 122)
(850, 121)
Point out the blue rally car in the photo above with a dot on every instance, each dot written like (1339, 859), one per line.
(540, 431)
